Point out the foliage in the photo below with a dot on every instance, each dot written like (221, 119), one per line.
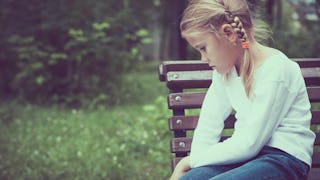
(293, 34)
(290, 34)
(68, 61)
(90, 61)
(76, 52)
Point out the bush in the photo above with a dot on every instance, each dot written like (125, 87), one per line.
(70, 52)
(90, 65)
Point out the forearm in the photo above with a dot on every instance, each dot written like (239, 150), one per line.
(184, 164)
(221, 154)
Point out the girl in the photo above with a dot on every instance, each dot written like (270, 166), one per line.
(272, 137)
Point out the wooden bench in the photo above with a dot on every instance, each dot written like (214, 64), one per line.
(187, 82)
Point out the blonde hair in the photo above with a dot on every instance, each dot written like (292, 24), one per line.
(207, 15)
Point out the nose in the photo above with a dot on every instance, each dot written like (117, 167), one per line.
(204, 58)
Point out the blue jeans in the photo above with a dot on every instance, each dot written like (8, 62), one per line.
(270, 163)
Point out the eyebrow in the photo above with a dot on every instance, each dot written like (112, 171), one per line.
(198, 45)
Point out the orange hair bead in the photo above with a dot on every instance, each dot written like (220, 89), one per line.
(245, 44)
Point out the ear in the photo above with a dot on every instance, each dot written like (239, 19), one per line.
(227, 31)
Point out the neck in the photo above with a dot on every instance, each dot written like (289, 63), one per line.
(255, 53)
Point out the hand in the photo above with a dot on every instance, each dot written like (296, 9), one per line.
(182, 167)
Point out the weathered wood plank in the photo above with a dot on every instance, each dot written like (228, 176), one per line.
(194, 65)
(203, 78)
(194, 100)
(190, 122)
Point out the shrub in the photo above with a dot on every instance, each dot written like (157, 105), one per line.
(90, 66)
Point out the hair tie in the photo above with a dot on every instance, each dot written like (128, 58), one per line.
(245, 44)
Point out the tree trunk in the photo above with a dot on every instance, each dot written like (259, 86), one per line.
(252, 5)
(317, 7)
(279, 14)
(178, 46)
(269, 11)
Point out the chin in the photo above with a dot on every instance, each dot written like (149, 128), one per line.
(223, 71)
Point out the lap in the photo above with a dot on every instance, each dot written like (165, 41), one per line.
(271, 166)
(270, 163)
(205, 172)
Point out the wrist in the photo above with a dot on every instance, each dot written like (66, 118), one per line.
(185, 164)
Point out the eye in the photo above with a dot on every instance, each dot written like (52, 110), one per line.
(203, 49)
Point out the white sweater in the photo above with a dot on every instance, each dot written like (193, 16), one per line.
(277, 115)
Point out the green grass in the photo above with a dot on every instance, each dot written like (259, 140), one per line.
(124, 142)
(120, 143)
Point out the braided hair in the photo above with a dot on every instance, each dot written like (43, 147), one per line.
(247, 68)
(237, 26)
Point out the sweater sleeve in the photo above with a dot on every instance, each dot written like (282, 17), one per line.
(271, 100)
(215, 109)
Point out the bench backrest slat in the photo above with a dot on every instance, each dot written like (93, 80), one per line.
(194, 65)
(190, 122)
(202, 78)
(194, 100)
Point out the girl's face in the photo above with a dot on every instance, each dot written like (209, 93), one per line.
(218, 52)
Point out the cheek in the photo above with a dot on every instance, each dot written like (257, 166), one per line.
(224, 58)
(225, 61)
(221, 55)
